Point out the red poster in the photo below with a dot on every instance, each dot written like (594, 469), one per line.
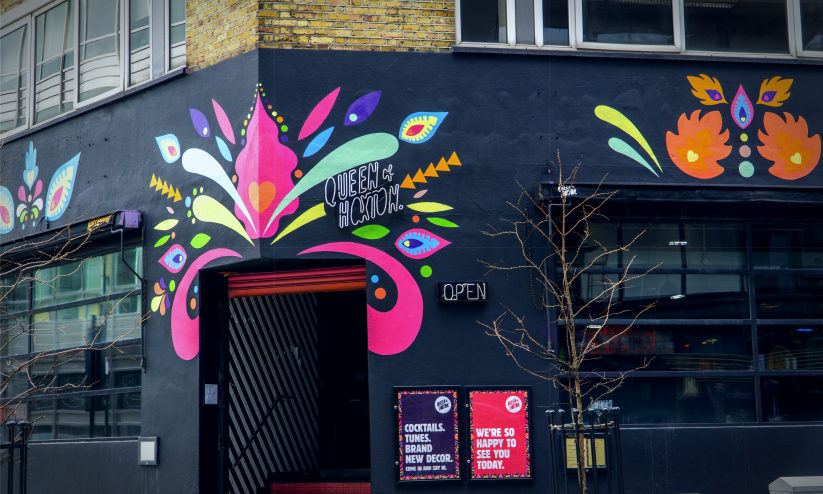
(499, 434)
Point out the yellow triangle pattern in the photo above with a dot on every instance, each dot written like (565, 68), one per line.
(165, 188)
(407, 183)
(454, 161)
(430, 171)
(418, 177)
(442, 166)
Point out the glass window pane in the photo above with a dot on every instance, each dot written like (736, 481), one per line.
(121, 278)
(69, 282)
(672, 245)
(524, 15)
(18, 382)
(683, 400)
(671, 348)
(177, 34)
(811, 22)
(667, 296)
(14, 294)
(483, 21)
(12, 46)
(89, 369)
(14, 336)
(627, 22)
(66, 328)
(795, 347)
(139, 39)
(53, 32)
(101, 18)
(139, 14)
(83, 417)
(789, 296)
(177, 11)
(556, 22)
(788, 246)
(124, 320)
(792, 399)
(753, 26)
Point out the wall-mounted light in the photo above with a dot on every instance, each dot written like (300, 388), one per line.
(147, 450)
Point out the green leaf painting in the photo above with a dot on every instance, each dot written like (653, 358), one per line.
(371, 232)
(162, 240)
(442, 222)
(200, 240)
(166, 225)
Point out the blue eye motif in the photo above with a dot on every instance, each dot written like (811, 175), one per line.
(418, 243)
(174, 259)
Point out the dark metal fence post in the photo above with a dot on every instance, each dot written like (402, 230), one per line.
(24, 436)
(11, 424)
(605, 414)
(575, 413)
(594, 451)
(552, 447)
(563, 447)
(619, 454)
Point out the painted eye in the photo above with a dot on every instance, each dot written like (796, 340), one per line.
(6, 207)
(768, 96)
(714, 95)
(420, 127)
(418, 243)
(169, 147)
(174, 259)
(742, 110)
(60, 189)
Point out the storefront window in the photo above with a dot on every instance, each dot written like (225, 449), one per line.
(483, 21)
(697, 318)
(87, 316)
(751, 26)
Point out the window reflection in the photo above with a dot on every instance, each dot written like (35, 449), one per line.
(789, 296)
(684, 400)
(781, 246)
(672, 348)
(792, 399)
(82, 417)
(749, 26)
(672, 245)
(483, 21)
(628, 22)
(667, 296)
(794, 347)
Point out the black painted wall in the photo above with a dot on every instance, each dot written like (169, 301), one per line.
(507, 116)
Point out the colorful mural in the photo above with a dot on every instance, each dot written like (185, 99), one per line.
(701, 142)
(32, 207)
(266, 188)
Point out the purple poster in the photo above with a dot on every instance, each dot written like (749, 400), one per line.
(428, 434)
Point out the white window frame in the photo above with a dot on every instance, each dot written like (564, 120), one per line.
(167, 37)
(26, 14)
(576, 43)
(26, 21)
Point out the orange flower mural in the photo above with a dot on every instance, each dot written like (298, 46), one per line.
(789, 146)
(699, 144)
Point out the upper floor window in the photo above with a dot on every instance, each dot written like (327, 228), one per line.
(77, 52)
(765, 27)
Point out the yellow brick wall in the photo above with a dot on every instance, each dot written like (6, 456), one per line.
(385, 25)
(219, 29)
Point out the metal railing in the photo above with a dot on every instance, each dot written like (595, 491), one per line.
(17, 443)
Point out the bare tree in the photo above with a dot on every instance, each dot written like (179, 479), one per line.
(24, 264)
(581, 320)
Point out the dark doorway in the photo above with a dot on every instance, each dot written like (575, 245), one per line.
(297, 409)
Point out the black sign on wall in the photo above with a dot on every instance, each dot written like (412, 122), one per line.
(461, 291)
